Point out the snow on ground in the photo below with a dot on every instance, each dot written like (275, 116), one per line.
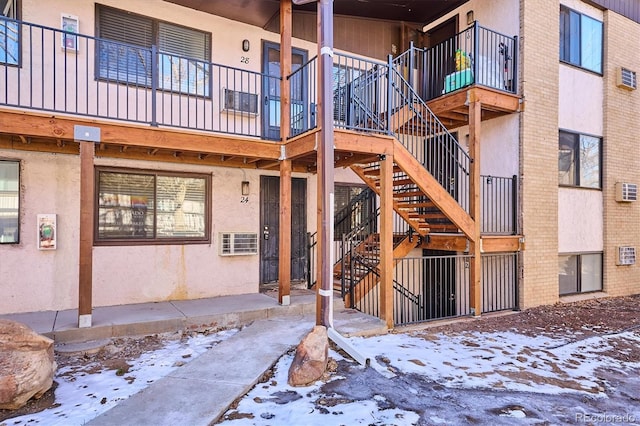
(455, 378)
(84, 393)
(468, 378)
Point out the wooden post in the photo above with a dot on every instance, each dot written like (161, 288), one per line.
(85, 273)
(284, 241)
(324, 305)
(475, 276)
(386, 240)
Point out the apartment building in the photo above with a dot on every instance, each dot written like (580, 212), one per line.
(170, 150)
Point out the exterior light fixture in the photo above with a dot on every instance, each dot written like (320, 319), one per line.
(245, 187)
(245, 45)
(470, 18)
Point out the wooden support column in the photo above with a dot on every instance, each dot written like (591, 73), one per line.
(85, 273)
(325, 192)
(284, 241)
(386, 240)
(475, 276)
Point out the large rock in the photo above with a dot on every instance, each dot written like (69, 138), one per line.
(27, 364)
(311, 358)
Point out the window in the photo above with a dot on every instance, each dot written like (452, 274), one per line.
(579, 160)
(152, 207)
(580, 273)
(580, 40)
(354, 206)
(125, 52)
(9, 202)
(9, 34)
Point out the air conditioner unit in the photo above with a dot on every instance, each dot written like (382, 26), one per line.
(626, 192)
(243, 102)
(626, 255)
(627, 79)
(238, 243)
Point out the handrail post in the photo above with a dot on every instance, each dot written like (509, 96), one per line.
(411, 64)
(476, 50)
(154, 85)
(389, 92)
(514, 81)
(308, 259)
(514, 203)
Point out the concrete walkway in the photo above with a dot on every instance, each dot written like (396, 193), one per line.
(199, 392)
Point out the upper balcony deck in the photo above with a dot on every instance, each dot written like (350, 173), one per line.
(77, 77)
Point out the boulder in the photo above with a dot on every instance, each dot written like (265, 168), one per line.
(311, 358)
(27, 364)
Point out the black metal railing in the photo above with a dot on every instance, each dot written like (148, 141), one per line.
(476, 55)
(441, 283)
(304, 97)
(499, 205)
(499, 282)
(105, 79)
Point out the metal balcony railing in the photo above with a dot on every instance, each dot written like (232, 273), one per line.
(477, 55)
(51, 70)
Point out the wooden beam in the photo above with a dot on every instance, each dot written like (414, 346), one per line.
(501, 244)
(36, 125)
(24, 139)
(475, 276)
(494, 99)
(386, 240)
(446, 242)
(38, 145)
(85, 263)
(284, 241)
(346, 140)
(286, 24)
(302, 145)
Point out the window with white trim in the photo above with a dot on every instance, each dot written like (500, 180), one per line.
(125, 52)
(9, 202)
(148, 207)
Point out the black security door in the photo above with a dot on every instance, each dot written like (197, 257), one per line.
(270, 228)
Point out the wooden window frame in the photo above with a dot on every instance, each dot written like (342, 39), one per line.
(155, 240)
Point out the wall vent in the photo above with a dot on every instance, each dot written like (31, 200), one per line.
(238, 243)
(626, 192)
(627, 79)
(239, 101)
(626, 255)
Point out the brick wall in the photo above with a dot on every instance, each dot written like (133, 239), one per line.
(539, 64)
(621, 152)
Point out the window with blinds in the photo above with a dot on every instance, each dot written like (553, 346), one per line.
(125, 48)
(150, 207)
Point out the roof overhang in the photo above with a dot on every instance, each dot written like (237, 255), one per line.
(260, 12)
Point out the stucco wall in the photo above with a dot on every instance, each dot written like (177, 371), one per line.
(49, 183)
(498, 15)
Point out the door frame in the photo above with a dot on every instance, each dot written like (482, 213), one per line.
(270, 132)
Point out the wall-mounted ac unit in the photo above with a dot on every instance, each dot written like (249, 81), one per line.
(627, 79)
(626, 255)
(238, 243)
(626, 192)
(243, 102)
